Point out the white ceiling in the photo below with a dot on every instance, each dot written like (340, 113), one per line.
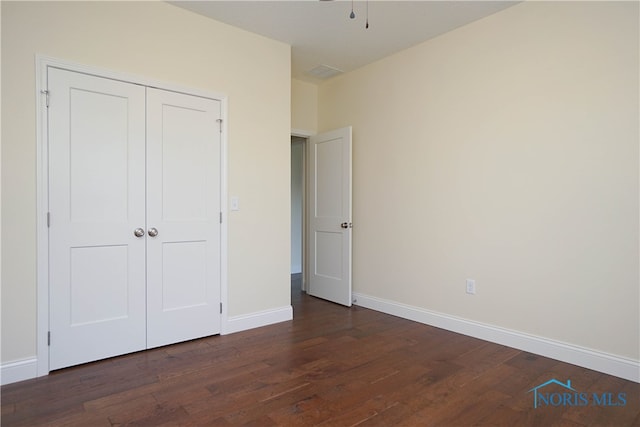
(321, 33)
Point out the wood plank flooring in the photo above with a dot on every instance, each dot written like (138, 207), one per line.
(330, 366)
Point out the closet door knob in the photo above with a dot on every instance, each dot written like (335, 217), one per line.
(153, 232)
(138, 232)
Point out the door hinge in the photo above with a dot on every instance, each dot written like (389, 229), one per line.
(220, 217)
(220, 124)
(46, 97)
(220, 308)
(49, 338)
(48, 219)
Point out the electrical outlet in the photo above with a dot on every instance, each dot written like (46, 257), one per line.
(471, 286)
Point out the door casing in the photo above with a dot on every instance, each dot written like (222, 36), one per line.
(42, 196)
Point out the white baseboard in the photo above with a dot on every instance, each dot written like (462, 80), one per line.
(628, 369)
(21, 370)
(598, 361)
(257, 319)
(27, 369)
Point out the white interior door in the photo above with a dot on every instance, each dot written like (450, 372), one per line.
(183, 206)
(97, 200)
(329, 225)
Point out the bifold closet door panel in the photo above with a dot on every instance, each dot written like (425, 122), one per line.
(96, 202)
(183, 217)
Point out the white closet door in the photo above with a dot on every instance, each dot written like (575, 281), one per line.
(97, 200)
(183, 206)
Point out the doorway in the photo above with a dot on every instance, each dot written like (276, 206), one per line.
(321, 235)
(297, 214)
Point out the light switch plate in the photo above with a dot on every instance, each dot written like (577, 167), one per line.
(471, 286)
(235, 203)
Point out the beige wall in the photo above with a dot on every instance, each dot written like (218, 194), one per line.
(505, 151)
(159, 41)
(304, 106)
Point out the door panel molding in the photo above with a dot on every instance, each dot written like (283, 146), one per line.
(43, 63)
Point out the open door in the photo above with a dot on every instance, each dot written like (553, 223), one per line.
(329, 216)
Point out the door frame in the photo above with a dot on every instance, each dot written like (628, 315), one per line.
(42, 64)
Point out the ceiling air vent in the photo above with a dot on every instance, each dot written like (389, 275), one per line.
(324, 72)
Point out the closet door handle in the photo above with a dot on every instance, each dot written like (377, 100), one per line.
(138, 232)
(153, 232)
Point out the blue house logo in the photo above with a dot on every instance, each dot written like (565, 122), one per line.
(545, 396)
(569, 396)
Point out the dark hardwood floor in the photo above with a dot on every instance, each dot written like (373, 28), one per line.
(331, 366)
